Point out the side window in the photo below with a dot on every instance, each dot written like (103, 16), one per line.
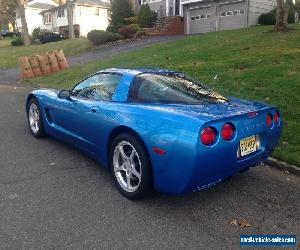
(97, 87)
(147, 90)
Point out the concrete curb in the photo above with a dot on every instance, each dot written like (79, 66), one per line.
(282, 165)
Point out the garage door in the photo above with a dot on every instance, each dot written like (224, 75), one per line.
(201, 19)
(232, 15)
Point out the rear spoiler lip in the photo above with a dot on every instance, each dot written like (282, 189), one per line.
(235, 115)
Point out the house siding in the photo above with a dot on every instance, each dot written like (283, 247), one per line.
(57, 21)
(33, 18)
(258, 7)
(99, 22)
(87, 17)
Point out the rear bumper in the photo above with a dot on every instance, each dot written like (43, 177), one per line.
(195, 170)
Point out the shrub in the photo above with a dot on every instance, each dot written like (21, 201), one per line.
(147, 17)
(17, 42)
(141, 33)
(267, 18)
(270, 17)
(48, 37)
(112, 28)
(45, 36)
(35, 36)
(98, 37)
(135, 27)
(119, 10)
(126, 31)
(131, 20)
(144, 19)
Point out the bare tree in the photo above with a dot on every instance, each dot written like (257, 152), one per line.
(282, 13)
(26, 37)
(70, 19)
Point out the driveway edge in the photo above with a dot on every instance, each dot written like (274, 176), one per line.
(283, 165)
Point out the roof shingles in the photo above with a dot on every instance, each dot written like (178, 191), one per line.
(43, 6)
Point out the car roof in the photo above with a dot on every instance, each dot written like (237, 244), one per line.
(137, 71)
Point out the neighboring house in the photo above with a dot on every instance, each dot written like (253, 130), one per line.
(201, 16)
(32, 14)
(163, 7)
(87, 15)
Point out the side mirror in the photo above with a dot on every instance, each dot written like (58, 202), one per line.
(64, 94)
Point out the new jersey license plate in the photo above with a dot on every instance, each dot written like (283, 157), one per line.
(248, 145)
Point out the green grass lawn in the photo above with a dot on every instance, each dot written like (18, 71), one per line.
(5, 42)
(9, 54)
(251, 63)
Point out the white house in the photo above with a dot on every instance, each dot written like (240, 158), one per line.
(32, 14)
(87, 15)
(46, 14)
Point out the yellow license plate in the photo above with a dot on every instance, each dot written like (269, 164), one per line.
(248, 145)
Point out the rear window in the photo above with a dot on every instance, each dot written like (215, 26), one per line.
(170, 88)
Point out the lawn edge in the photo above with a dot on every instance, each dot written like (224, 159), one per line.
(273, 162)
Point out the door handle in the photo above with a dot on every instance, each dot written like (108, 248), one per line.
(94, 109)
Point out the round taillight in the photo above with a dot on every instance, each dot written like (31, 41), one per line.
(208, 135)
(269, 120)
(227, 131)
(276, 117)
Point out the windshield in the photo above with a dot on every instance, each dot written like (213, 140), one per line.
(171, 88)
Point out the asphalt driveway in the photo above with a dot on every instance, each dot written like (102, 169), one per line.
(54, 197)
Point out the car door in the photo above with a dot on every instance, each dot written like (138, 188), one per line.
(81, 116)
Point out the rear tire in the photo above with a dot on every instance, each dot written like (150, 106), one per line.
(130, 167)
(35, 120)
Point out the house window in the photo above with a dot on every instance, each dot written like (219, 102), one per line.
(61, 12)
(229, 13)
(97, 12)
(208, 15)
(203, 16)
(47, 18)
(197, 17)
(235, 12)
(223, 14)
(242, 12)
(192, 18)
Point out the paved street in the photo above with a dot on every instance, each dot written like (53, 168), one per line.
(54, 197)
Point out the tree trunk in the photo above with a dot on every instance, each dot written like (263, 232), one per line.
(26, 37)
(282, 13)
(70, 19)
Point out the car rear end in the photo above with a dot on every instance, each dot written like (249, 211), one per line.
(232, 144)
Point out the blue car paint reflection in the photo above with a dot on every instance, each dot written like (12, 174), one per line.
(188, 165)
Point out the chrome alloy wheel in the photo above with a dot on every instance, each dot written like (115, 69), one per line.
(34, 118)
(127, 166)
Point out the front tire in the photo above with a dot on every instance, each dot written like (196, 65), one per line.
(130, 167)
(35, 119)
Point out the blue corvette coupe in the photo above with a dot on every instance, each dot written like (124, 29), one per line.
(157, 129)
